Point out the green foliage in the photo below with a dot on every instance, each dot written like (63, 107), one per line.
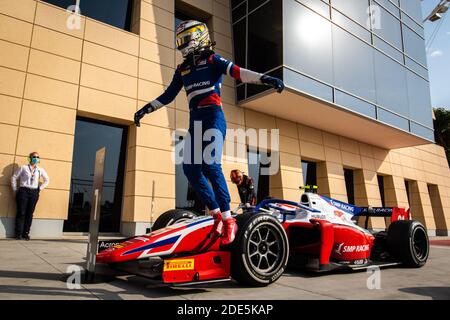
(442, 129)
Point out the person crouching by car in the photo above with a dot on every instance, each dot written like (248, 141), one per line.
(27, 193)
(245, 187)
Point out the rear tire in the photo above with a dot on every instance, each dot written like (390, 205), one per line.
(172, 217)
(407, 240)
(260, 252)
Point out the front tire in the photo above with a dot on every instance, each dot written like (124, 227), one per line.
(172, 217)
(260, 252)
(408, 241)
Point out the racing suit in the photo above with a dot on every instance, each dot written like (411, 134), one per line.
(202, 79)
(247, 191)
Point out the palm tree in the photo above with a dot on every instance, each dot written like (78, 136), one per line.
(442, 129)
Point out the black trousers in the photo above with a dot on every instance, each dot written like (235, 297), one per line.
(26, 203)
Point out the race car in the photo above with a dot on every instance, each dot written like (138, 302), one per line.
(317, 233)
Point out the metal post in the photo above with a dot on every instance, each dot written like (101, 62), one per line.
(95, 213)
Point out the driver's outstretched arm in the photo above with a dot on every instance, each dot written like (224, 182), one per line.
(167, 97)
(244, 75)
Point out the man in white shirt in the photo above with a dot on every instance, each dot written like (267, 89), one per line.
(27, 193)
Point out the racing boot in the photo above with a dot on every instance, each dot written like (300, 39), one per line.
(217, 228)
(229, 231)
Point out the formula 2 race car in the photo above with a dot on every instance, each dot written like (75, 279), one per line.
(318, 233)
(184, 252)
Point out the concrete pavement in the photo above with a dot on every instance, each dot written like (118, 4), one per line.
(36, 270)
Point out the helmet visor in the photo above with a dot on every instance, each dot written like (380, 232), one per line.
(184, 38)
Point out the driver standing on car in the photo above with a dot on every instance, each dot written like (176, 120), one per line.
(201, 75)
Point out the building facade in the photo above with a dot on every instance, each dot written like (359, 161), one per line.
(355, 118)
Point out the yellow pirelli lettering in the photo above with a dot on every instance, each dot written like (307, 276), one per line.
(178, 264)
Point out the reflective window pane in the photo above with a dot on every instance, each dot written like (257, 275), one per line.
(413, 8)
(417, 68)
(388, 49)
(318, 6)
(239, 12)
(351, 26)
(308, 85)
(309, 40)
(414, 45)
(390, 79)
(253, 4)
(265, 37)
(235, 3)
(419, 99)
(353, 65)
(389, 28)
(309, 170)
(355, 104)
(388, 5)
(413, 25)
(422, 131)
(240, 42)
(62, 3)
(355, 9)
(116, 13)
(393, 119)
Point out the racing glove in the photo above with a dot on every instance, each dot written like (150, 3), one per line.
(276, 83)
(148, 108)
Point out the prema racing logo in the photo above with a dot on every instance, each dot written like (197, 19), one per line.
(342, 206)
(341, 248)
(175, 265)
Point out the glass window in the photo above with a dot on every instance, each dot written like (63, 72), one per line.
(353, 65)
(253, 89)
(308, 85)
(355, 104)
(413, 25)
(413, 8)
(350, 185)
(390, 7)
(239, 12)
(116, 13)
(62, 3)
(90, 136)
(417, 67)
(235, 3)
(422, 131)
(265, 37)
(414, 45)
(309, 170)
(388, 49)
(240, 43)
(391, 86)
(393, 119)
(351, 26)
(381, 189)
(253, 4)
(261, 182)
(355, 9)
(318, 6)
(309, 40)
(419, 99)
(389, 29)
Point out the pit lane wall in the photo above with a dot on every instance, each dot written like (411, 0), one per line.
(50, 74)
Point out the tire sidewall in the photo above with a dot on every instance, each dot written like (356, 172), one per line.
(253, 223)
(417, 227)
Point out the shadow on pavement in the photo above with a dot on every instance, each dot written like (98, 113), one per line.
(436, 293)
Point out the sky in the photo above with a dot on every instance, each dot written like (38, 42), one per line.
(438, 55)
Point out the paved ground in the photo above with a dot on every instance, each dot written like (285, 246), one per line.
(35, 270)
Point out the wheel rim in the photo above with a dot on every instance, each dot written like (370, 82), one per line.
(264, 249)
(420, 244)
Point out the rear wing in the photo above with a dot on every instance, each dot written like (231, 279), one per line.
(394, 213)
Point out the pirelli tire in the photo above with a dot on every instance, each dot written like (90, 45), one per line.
(407, 240)
(260, 252)
(171, 217)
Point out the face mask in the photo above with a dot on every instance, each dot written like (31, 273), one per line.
(34, 160)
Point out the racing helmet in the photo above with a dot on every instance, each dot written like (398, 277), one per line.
(192, 36)
(237, 177)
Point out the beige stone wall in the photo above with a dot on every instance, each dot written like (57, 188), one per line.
(50, 74)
